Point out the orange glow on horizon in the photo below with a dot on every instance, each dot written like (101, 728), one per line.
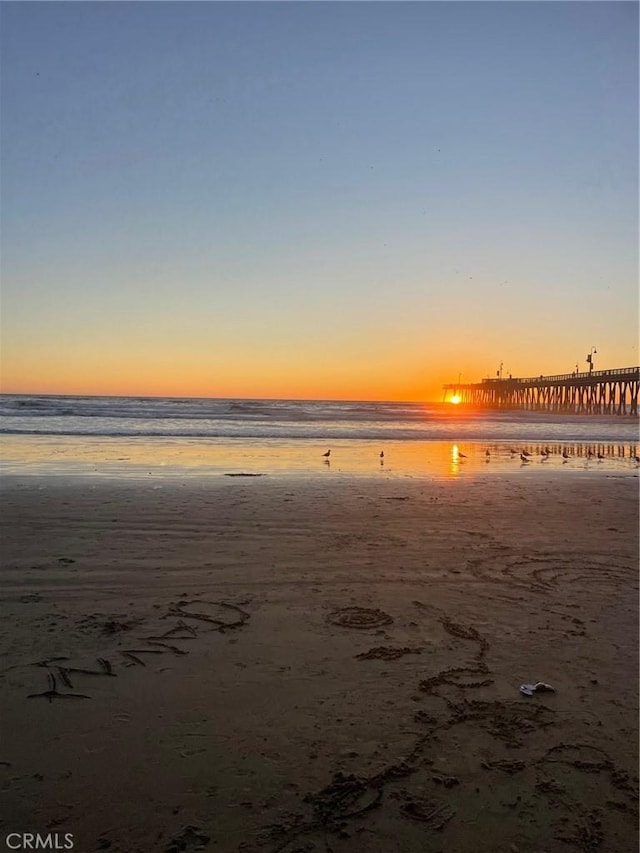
(234, 387)
(233, 368)
(120, 372)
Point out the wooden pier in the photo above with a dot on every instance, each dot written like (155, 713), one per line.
(597, 392)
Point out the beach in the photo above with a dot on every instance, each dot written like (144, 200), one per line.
(313, 663)
(319, 428)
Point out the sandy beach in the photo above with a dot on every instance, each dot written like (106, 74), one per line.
(273, 664)
(319, 427)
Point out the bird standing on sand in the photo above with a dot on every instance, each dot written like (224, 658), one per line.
(565, 455)
(524, 458)
(525, 453)
(487, 453)
(600, 456)
(382, 454)
(327, 454)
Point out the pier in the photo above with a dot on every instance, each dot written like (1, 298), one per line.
(596, 392)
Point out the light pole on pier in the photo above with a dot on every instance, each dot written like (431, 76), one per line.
(593, 352)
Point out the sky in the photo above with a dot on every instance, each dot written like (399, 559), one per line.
(334, 200)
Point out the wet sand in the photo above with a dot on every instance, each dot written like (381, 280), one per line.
(288, 664)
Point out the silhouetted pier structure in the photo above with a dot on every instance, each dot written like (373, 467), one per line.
(597, 392)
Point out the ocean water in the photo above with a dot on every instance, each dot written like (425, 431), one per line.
(294, 419)
(125, 435)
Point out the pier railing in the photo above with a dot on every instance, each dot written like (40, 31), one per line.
(594, 375)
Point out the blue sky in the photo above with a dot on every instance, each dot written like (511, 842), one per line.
(315, 199)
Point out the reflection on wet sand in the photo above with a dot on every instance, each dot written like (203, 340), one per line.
(170, 458)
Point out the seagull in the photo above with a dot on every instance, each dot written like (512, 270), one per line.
(600, 456)
(462, 455)
(327, 454)
(565, 456)
(544, 453)
(590, 454)
(525, 453)
(487, 453)
(382, 454)
(636, 459)
(524, 457)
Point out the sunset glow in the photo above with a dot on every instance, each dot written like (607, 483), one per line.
(270, 234)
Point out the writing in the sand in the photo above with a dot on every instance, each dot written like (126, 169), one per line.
(39, 841)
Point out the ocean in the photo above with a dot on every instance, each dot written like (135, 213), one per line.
(67, 434)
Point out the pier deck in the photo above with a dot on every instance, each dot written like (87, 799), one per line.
(597, 392)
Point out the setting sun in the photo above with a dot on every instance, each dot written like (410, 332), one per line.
(455, 399)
